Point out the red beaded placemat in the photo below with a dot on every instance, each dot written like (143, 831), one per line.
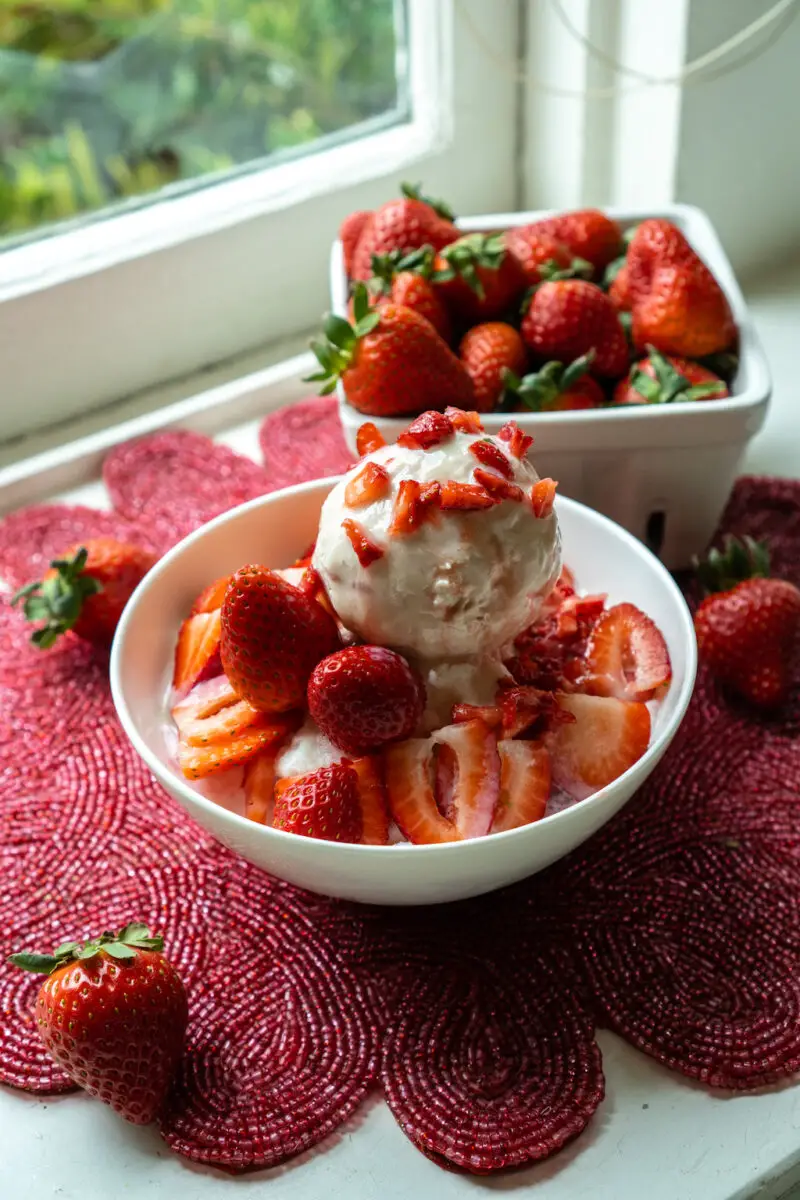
(678, 926)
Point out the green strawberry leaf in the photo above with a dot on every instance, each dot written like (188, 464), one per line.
(117, 950)
(41, 964)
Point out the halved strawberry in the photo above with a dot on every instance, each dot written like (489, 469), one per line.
(464, 497)
(371, 483)
(369, 438)
(211, 597)
(411, 797)
(606, 738)
(464, 422)
(626, 656)
(367, 552)
(196, 762)
(476, 776)
(323, 804)
(525, 781)
(197, 649)
(372, 800)
(259, 786)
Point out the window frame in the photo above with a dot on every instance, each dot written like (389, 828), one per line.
(108, 308)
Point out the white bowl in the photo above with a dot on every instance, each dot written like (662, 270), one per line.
(273, 530)
(662, 471)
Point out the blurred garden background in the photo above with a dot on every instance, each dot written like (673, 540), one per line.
(101, 101)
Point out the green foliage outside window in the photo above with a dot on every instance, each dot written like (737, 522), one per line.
(101, 101)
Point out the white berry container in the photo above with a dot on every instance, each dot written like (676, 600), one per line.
(663, 472)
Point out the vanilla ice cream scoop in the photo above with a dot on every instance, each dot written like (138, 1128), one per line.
(441, 581)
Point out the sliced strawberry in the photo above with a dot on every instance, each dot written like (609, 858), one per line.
(427, 430)
(476, 782)
(411, 798)
(492, 456)
(607, 737)
(578, 614)
(367, 552)
(372, 799)
(369, 438)
(543, 495)
(525, 780)
(259, 786)
(371, 483)
(211, 597)
(519, 443)
(214, 715)
(197, 762)
(197, 649)
(323, 804)
(464, 422)
(466, 497)
(626, 656)
(490, 714)
(499, 489)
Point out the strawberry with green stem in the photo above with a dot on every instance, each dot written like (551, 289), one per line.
(667, 379)
(112, 1012)
(748, 623)
(391, 361)
(405, 279)
(85, 591)
(555, 387)
(404, 224)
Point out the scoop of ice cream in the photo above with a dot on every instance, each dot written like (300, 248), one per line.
(460, 583)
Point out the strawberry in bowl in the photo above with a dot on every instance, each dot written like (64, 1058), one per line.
(428, 705)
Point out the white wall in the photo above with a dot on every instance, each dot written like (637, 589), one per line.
(739, 143)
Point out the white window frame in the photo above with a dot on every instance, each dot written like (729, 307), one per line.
(103, 310)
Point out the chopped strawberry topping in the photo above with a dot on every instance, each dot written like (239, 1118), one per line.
(464, 422)
(543, 495)
(577, 613)
(414, 504)
(369, 438)
(492, 456)
(490, 714)
(550, 653)
(499, 489)
(519, 443)
(427, 430)
(371, 483)
(626, 656)
(525, 780)
(366, 550)
(468, 497)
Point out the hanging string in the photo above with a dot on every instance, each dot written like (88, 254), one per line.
(776, 19)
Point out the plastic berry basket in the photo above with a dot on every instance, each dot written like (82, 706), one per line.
(663, 472)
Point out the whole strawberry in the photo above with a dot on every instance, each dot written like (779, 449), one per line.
(488, 351)
(350, 232)
(555, 388)
(587, 233)
(479, 278)
(660, 379)
(568, 318)
(676, 302)
(404, 224)
(390, 361)
(747, 627)
(363, 697)
(112, 1013)
(324, 804)
(273, 635)
(539, 254)
(85, 591)
(405, 280)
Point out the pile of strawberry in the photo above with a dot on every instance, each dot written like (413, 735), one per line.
(565, 313)
(263, 650)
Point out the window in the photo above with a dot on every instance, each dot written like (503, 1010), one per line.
(209, 267)
(102, 102)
